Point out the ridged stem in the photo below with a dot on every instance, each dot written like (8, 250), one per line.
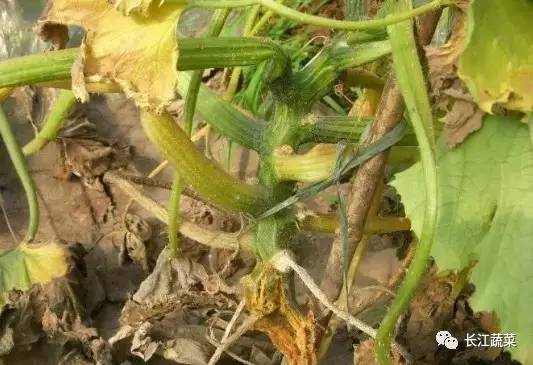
(48, 66)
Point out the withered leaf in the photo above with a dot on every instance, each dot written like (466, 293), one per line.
(463, 119)
(138, 52)
(27, 265)
(292, 332)
(461, 114)
(497, 54)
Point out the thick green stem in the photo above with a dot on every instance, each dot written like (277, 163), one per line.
(276, 232)
(21, 167)
(201, 53)
(53, 124)
(303, 18)
(206, 178)
(37, 68)
(174, 215)
(217, 23)
(224, 117)
(411, 82)
(195, 54)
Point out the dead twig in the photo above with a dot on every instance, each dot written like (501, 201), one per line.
(233, 320)
(225, 343)
(217, 239)
(232, 354)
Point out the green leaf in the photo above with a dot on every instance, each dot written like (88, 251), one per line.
(485, 215)
(27, 265)
(497, 62)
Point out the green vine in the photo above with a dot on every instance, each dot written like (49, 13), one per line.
(410, 78)
(300, 17)
(21, 167)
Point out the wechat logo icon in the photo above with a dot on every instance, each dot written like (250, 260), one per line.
(445, 338)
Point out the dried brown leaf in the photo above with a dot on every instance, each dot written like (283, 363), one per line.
(365, 354)
(292, 332)
(55, 34)
(461, 120)
(461, 114)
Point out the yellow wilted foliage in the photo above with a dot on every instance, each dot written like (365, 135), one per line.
(27, 265)
(137, 51)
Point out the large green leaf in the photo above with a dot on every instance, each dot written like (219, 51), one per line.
(497, 62)
(485, 215)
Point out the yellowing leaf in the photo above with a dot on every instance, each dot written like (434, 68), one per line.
(128, 6)
(26, 265)
(497, 61)
(138, 52)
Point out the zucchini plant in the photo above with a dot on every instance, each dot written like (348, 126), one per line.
(133, 47)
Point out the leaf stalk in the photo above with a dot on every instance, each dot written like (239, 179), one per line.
(303, 18)
(21, 167)
(413, 87)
